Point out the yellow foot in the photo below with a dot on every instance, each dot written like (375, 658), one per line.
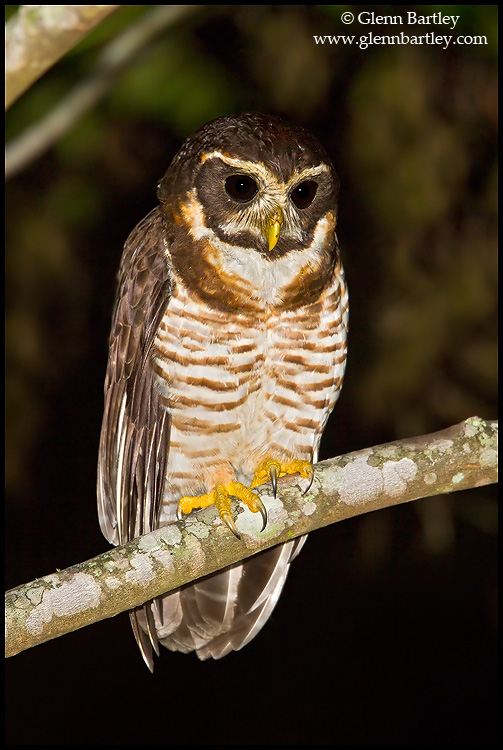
(220, 497)
(270, 469)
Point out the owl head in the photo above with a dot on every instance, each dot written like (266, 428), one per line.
(252, 181)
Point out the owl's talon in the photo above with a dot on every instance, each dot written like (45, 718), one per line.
(273, 473)
(228, 519)
(263, 512)
(270, 469)
(311, 480)
(220, 497)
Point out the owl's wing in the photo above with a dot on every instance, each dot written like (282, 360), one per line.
(135, 431)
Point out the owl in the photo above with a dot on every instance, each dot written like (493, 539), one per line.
(227, 354)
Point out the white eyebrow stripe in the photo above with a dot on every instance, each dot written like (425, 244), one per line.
(308, 172)
(267, 177)
(248, 166)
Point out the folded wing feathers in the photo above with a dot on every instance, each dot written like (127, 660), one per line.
(135, 433)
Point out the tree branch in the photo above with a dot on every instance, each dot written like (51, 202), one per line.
(460, 457)
(120, 52)
(37, 36)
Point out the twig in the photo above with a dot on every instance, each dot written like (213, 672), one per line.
(457, 458)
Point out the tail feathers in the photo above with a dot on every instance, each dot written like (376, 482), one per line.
(142, 622)
(225, 611)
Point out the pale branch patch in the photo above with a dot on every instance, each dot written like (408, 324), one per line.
(459, 457)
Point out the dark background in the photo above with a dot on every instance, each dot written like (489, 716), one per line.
(386, 630)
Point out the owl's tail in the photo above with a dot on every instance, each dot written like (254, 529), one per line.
(220, 613)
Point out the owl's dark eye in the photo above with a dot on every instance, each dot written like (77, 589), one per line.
(240, 187)
(303, 195)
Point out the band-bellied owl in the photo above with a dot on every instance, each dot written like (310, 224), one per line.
(227, 352)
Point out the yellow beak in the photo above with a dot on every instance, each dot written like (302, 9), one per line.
(273, 227)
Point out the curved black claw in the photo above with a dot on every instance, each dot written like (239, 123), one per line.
(309, 485)
(228, 519)
(263, 513)
(273, 473)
